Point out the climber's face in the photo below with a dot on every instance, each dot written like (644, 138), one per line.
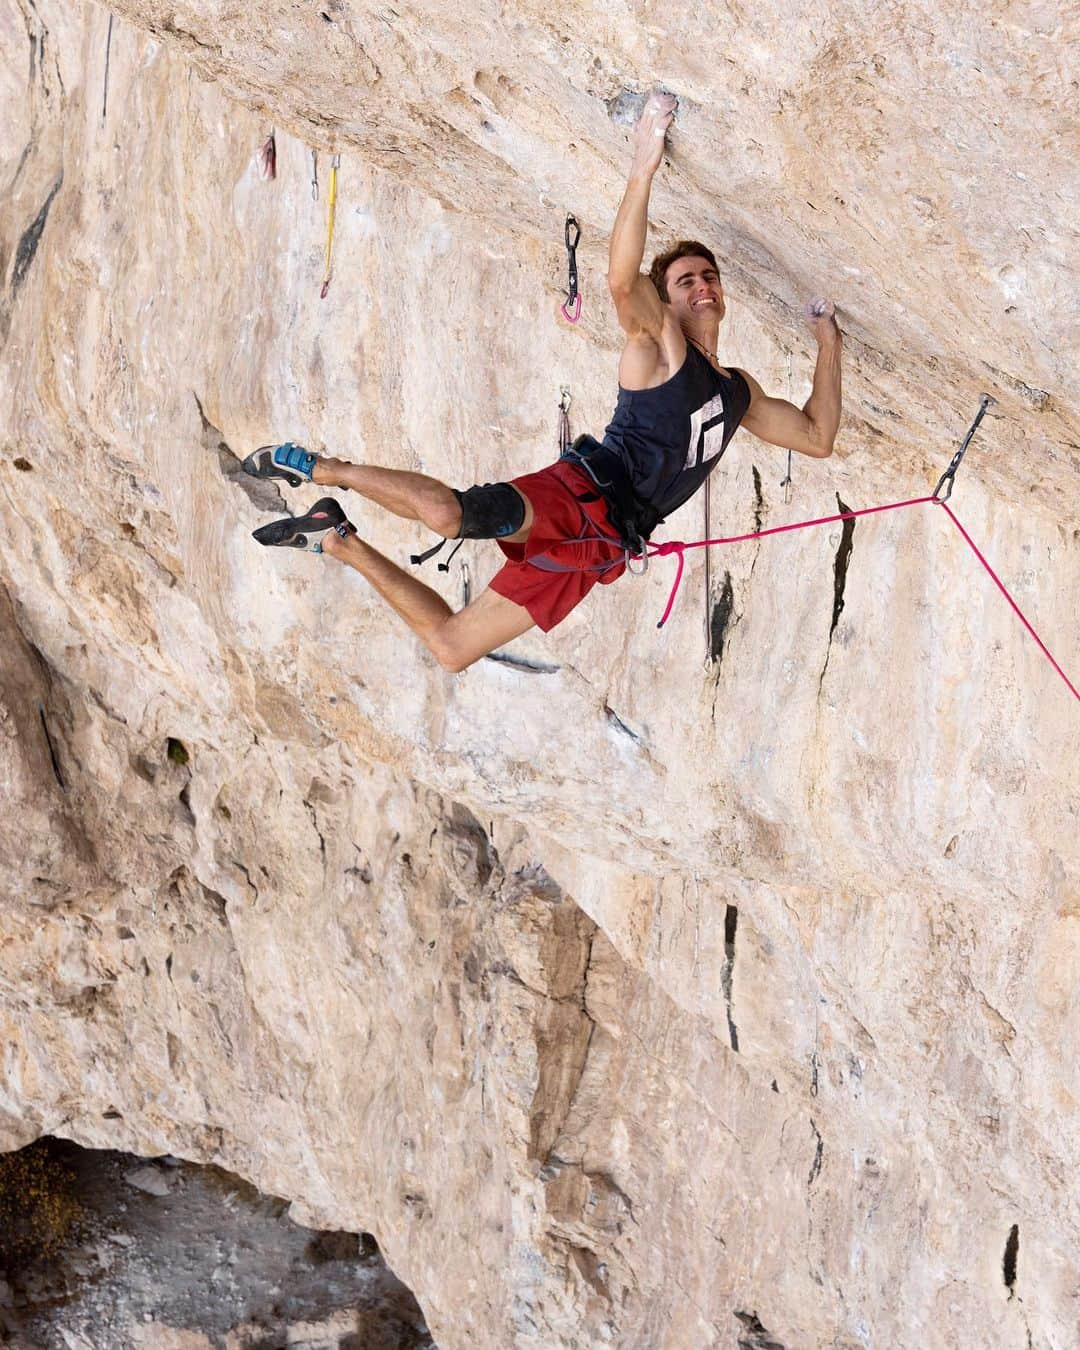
(694, 291)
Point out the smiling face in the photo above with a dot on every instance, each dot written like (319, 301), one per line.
(694, 290)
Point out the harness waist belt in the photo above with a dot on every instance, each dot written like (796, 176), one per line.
(634, 519)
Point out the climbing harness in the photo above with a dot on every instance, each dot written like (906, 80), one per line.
(572, 306)
(633, 521)
(267, 158)
(565, 399)
(331, 210)
(314, 175)
(588, 533)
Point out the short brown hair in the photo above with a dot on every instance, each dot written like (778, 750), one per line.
(685, 248)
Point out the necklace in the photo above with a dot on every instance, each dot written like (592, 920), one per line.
(712, 356)
(702, 349)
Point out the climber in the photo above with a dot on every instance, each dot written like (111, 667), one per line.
(580, 519)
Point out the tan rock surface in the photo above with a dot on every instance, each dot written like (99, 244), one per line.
(464, 961)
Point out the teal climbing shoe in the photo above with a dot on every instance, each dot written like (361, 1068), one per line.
(289, 461)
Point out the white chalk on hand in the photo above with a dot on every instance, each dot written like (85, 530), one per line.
(658, 131)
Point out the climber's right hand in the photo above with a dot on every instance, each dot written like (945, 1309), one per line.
(650, 132)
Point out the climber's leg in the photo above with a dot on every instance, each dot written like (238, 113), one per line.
(414, 496)
(455, 640)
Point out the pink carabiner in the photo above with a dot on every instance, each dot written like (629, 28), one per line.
(572, 318)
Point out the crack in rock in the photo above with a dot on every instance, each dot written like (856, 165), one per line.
(840, 571)
(31, 237)
(731, 922)
(1009, 1260)
(261, 492)
(720, 619)
(523, 664)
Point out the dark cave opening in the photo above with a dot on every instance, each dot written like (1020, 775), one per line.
(94, 1242)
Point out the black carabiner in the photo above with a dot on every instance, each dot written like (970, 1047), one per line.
(571, 244)
(573, 296)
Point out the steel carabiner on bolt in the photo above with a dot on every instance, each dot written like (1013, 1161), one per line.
(565, 399)
(949, 476)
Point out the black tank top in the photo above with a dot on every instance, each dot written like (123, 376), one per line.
(670, 438)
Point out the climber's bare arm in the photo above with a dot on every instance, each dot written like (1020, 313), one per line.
(811, 430)
(641, 314)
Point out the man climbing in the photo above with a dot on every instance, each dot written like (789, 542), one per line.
(577, 521)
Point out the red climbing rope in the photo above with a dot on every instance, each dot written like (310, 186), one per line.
(676, 546)
(1016, 607)
(679, 548)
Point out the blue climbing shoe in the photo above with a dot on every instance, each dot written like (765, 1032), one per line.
(289, 461)
(306, 532)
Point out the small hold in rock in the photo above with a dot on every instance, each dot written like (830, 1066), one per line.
(176, 751)
(757, 1337)
(23, 465)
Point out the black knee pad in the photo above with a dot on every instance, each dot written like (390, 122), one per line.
(490, 511)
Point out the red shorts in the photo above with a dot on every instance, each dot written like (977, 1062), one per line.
(565, 504)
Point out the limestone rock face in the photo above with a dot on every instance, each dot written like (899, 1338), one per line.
(715, 986)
